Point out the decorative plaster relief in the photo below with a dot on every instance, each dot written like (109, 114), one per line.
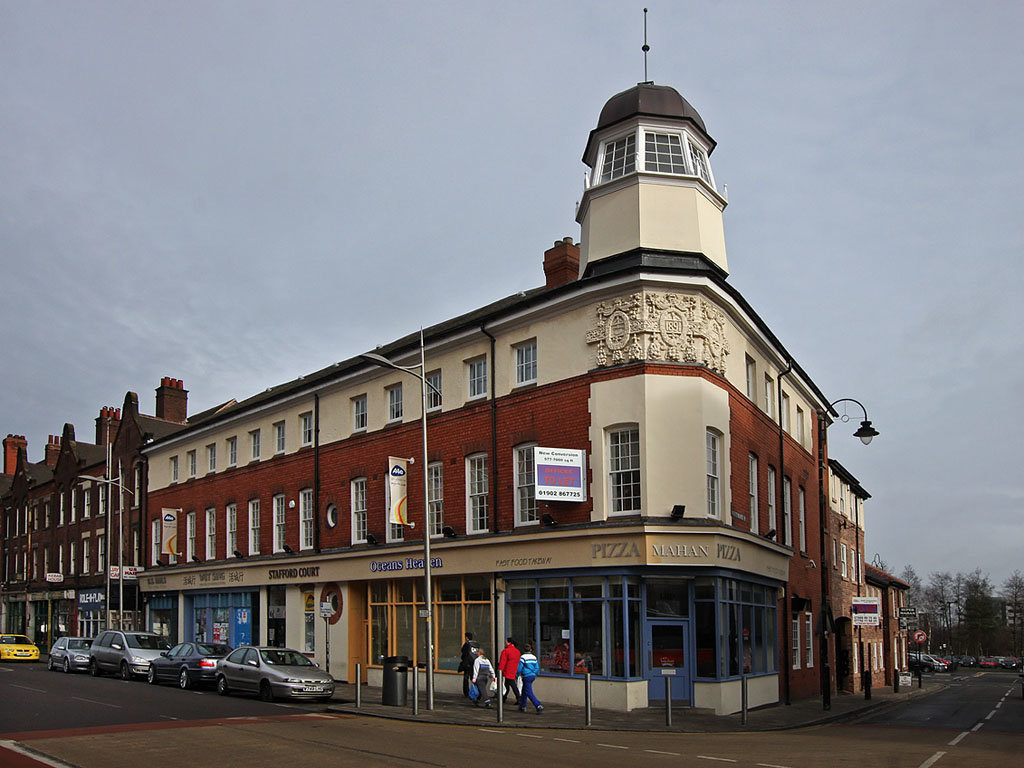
(666, 327)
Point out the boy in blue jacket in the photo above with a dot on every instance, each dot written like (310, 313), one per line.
(529, 668)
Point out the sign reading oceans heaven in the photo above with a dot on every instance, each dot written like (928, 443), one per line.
(560, 474)
(398, 470)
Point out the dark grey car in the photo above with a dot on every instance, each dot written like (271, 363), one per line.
(70, 653)
(126, 653)
(272, 673)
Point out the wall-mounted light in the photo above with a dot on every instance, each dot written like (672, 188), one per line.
(449, 532)
(811, 564)
(238, 554)
(371, 540)
(678, 511)
(770, 534)
(196, 559)
(548, 520)
(291, 504)
(288, 549)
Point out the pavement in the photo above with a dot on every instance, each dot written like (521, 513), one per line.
(453, 709)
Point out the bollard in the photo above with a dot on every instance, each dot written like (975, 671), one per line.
(415, 691)
(896, 681)
(743, 700)
(359, 685)
(499, 705)
(867, 684)
(588, 701)
(920, 682)
(668, 701)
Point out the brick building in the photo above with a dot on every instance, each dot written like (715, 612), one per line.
(682, 433)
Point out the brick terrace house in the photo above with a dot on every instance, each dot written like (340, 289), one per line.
(686, 545)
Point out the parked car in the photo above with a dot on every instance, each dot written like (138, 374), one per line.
(1009, 662)
(126, 653)
(988, 662)
(188, 663)
(70, 653)
(968, 661)
(17, 648)
(273, 672)
(925, 662)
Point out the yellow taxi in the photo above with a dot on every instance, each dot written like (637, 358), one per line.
(17, 648)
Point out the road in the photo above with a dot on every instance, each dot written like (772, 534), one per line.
(79, 721)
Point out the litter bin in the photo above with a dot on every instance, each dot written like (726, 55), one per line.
(396, 675)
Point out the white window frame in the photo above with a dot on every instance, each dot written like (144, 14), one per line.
(231, 526)
(155, 540)
(101, 552)
(435, 497)
(526, 362)
(801, 508)
(190, 528)
(306, 518)
(784, 414)
(306, 428)
(232, 445)
(74, 506)
(211, 457)
(280, 438)
(616, 167)
(190, 460)
(478, 519)
(396, 407)
(60, 560)
(795, 630)
(800, 425)
(254, 445)
(359, 413)
(787, 511)
(755, 523)
(476, 378)
(844, 569)
(359, 511)
(280, 522)
(809, 647)
(769, 396)
(524, 481)
(174, 469)
(86, 559)
(86, 504)
(624, 468)
(211, 533)
(254, 526)
(751, 379)
(712, 456)
(434, 400)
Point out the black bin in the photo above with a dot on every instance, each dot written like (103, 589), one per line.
(396, 679)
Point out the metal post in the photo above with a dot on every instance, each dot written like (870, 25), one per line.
(867, 684)
(327, 645)
(668, 701)
(415, 690)
(743, 700)
(359, 685)
(588, 701)
(429, 597)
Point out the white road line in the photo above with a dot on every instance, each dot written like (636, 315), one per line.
(999, 704)
(528, 736)
(977, 728)
(719, 759)
(569, 741)
(772, 765)
(613, 746)
(39, 758)
(26, 688)
(93, 701)
(659, 752)
(932, 760)
(170, 718)
(990, 714)
(490, 730)
(959, 738)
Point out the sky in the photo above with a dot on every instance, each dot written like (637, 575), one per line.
(220, 192)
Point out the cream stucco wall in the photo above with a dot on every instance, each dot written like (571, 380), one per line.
(726, 698)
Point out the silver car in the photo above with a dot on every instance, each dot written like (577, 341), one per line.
(271, 673)
(70, 653)
(126, 653)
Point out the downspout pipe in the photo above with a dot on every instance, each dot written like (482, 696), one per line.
(494, 437)
(825, 567)
(780, 493)
(316, 473)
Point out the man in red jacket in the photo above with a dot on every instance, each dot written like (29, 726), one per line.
(508, 663)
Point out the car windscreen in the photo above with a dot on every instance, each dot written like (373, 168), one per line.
(15, 640)
(211, 649)
(79, 644)
(285, 658)
(147, 642)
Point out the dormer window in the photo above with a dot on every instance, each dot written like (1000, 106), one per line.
(673, 152)
(664, 153)
(619, 158)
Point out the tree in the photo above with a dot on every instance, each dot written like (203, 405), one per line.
(980, 614)
(1012, 593)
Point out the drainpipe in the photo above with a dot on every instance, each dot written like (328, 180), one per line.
(316, 473)
(825, 566)
(780, 493)
(494, 438)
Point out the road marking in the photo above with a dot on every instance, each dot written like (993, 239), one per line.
(613, 746)
(719, 759)
(959, 738)
(528, 736)
(658, 752)
(26, 688)
(999, 704)
(990, 714)
(93, 701)
(170, 718)
(932, 760)
(39, 758)
(569, 741)
(977, 727)
(772, 765)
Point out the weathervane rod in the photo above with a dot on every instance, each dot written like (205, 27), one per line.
(646, 47)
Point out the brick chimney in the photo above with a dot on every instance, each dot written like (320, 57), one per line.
(52, 451)
(172, 400)
(561, 263)
(13, 444)
(114, 415)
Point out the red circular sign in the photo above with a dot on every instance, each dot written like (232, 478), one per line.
(920, 636)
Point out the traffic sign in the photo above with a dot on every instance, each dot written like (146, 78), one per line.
(908, 613)
(920, 636)
(326, 610)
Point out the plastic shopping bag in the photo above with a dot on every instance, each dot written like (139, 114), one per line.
(474, 692)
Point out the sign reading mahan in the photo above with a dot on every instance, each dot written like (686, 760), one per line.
(559, 474)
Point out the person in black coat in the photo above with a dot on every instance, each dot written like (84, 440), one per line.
(469, 649)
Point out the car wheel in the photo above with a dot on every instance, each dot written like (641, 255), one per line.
(67, 666)
(266, 692)
(222, 685)
(184, 680)
(49, 664)
(126, 673)
(151, 676)
(927, 668)
(94, 668)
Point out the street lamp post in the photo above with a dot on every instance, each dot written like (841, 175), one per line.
(120, 543)
(428, 594)
(866, 433)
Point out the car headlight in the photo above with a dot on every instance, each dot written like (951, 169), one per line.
(292, 680)
(139, 660)
(80, 658)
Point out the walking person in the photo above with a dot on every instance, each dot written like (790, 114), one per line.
(483, 677)
(529, 668)
(469, 649)
(508, 663)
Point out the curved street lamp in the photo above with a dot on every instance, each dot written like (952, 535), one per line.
(866, 432)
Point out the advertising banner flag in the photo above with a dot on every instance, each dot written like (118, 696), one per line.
(398, 471)
(169, 531)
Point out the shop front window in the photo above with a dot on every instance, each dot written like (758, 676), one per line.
(735, 634)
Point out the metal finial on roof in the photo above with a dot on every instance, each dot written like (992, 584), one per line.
(645, 48)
